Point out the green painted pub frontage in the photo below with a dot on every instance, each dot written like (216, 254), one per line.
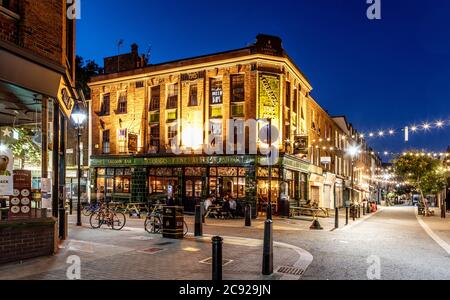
(191, 179)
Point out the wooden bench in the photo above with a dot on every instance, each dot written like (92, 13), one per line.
(297, 211)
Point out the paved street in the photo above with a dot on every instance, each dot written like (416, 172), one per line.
(393, 235)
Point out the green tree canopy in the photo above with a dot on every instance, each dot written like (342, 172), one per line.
(425, 173)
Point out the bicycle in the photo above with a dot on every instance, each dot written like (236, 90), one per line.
(90, 209)
(113, 219)
(153, 222)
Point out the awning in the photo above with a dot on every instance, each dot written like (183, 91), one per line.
(25, 70)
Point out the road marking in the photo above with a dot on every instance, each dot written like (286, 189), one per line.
(380, 209)
(431, 234)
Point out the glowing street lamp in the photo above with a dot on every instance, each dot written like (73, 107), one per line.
(79, 117)
(353, 151)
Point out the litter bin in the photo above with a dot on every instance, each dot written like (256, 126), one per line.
(173, 221)
(284, 206)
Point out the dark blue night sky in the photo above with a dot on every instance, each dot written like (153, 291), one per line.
(382, 74)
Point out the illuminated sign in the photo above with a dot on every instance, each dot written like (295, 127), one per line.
(269, 97)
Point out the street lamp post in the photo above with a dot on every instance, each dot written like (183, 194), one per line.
(353, 151)
(78, 116)
(269, 206)
(267, 267)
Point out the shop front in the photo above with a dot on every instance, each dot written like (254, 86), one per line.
(289, 185)
(35, 105)
(187, 180)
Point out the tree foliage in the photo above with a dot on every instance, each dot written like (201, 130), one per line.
(85, 70)
(426, 174)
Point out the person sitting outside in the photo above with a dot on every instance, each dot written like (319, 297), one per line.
(233, 207)
(208, 202)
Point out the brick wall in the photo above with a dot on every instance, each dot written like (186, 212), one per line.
(40, 27)
(20, 240)
(8, 29)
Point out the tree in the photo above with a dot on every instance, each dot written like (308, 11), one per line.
(84, 72)
(425, 173)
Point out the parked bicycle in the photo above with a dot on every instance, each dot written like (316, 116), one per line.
(91, 208)
(104, 215)
(153, 222)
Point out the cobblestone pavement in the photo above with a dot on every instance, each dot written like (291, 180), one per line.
(134, 254)
(393, 237)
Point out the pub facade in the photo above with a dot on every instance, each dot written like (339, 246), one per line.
(139, 114)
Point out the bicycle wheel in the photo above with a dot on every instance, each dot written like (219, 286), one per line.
(153, 224)
(185, 228)
(87, 211)
(96, 220)
(118, 221)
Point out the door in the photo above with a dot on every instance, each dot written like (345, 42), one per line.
(109, 189)
(193, 188)
(315, 195)
(327, 196)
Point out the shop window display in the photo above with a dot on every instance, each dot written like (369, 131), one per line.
(22, 150)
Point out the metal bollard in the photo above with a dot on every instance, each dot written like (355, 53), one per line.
(269, 211)
(364, 209)
(354, 212)
(217, 243)
(203, 214)
(336, 218)
(62, 224)
(198, 221)
(359, 211)
(267, 268)
(346, 215)
(248, 215)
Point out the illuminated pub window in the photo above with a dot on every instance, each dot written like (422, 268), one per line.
(225, 181)
(155, 98)
(122, 181)
(215, 132)
(154, 136)
(172, 134)
(237, 88)
(105, 142)
(122, 140)
(237, 96)
(216, 91)
(122, 103)
(172, 96)
(193, 99)
(105, 106)
(163, 180)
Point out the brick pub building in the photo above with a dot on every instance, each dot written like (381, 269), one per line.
(138, 109)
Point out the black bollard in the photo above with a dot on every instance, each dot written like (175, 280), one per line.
(198, 221)
(336, 218)
(267, 268)
(364, 209)
(203, 214)
(354, 212)
(248, 215)
(217, 242)
(269, 211)
(359, 211)
(346, 215)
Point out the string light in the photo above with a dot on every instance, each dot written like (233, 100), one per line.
(426, 126)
